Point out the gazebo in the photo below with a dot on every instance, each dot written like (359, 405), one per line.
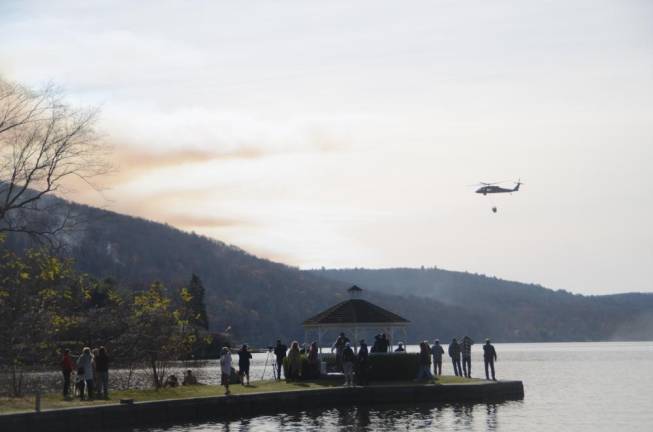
(354, 316)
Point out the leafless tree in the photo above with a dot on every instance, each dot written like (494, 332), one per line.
(44, 143)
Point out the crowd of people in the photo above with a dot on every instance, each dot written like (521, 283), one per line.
(458, 351)
(354, 364)
(91, 368)
(87, 375)
(90, 371)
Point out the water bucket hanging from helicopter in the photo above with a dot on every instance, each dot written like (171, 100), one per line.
(493, 191)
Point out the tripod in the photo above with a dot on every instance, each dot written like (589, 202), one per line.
(274, 366)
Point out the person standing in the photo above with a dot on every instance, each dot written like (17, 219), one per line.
(339, 346)
(348, 358)
(454, 353)
(102, 369)
(437, 352)
(466, 348)
(385, 343)
(67, 367)
(313, 361)
(294, 362)
(244, 357)
(225, 369)
(489, 357)
(424, 371)
(280, 354)
(376, 346)
(362, 363)
(85, 367)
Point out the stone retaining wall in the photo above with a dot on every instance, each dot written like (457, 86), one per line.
(140, 414)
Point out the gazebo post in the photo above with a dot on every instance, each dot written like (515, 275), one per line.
(355, 340)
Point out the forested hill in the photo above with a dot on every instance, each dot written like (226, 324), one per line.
(517, 311)
(262, 300)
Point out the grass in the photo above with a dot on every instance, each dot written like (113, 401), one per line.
(55, 401)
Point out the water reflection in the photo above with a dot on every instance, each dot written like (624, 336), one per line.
(455, 417)
(491, 416)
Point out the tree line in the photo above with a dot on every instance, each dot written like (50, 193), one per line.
(47, 305)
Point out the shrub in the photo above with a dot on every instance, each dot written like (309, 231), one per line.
(384, 367)
(391, 366)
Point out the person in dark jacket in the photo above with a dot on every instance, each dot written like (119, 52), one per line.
(424, 369)
(437, 353)
(67, 368)
(338, 347)
(400, 347)
(362, 364)
(466, 348)
(102, 370)
(489, 357)
(454, 353)
(244, 357)
(348, 359)
(189, 379)
(313, 361)
(280, 353)
(376, 346)
(384, 343)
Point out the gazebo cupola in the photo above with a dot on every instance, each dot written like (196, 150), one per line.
(355, 292)
(355, 317)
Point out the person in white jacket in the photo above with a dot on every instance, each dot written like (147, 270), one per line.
(225, 366)
(85, 364)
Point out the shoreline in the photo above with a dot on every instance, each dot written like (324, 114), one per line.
(113, 416)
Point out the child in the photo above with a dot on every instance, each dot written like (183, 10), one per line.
(79, 383)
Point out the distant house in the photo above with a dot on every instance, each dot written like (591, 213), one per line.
(356, 318)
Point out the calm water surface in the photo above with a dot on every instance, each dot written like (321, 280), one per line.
(569, 387)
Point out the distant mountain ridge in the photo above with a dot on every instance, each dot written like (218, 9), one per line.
(262, 300)
(522, 310)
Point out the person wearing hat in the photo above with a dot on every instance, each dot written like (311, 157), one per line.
(348, 358)
(437, 351)
(489, 357)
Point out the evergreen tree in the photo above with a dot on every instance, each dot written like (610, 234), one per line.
(196, 303)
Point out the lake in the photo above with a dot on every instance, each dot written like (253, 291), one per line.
(604, 386)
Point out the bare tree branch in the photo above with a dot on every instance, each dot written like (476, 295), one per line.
(43, 141)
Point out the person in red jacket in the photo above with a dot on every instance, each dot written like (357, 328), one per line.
(67, 367)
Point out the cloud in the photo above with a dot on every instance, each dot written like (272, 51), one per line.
(130, 161)
(192, 221)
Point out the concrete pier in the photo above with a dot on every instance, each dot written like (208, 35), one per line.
(142, 414)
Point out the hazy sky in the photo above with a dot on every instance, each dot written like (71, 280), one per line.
(344, 134)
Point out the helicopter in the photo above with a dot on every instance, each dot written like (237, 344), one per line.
(492, 188)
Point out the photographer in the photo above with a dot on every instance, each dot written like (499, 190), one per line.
(280, 353)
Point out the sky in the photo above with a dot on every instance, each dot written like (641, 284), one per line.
(347, 134)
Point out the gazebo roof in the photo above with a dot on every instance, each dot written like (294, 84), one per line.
(355, 311)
